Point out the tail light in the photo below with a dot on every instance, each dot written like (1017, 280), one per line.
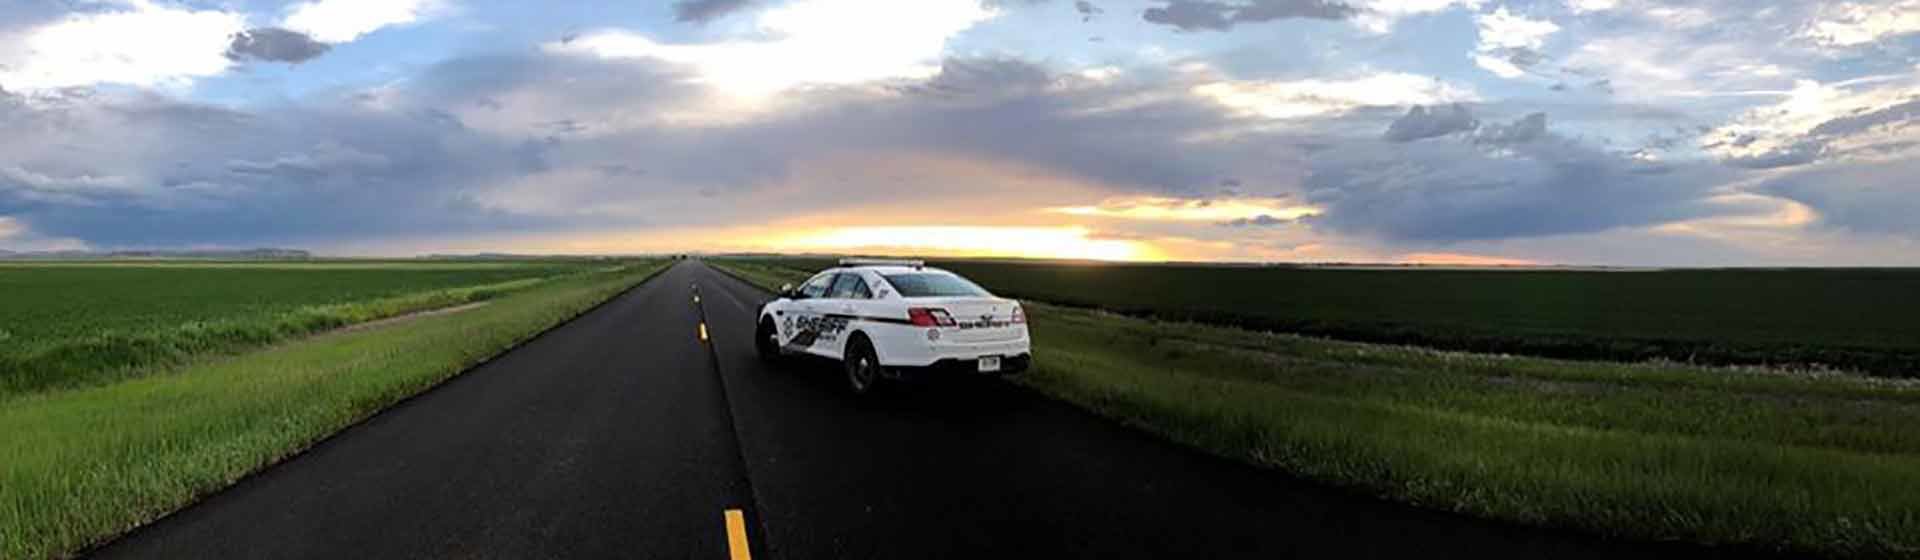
(929, 317)
(1019, 315)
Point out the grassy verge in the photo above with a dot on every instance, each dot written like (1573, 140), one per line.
(84, 325)
(1826, 466)
(88, 463)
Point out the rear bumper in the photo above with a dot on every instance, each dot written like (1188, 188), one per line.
(909, 348)
(955, 367)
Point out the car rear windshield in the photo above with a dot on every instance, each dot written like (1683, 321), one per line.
(931, 284)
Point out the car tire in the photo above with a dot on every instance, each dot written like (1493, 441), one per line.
(766, 341)
(863, 367)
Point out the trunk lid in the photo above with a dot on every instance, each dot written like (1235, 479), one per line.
(981, 319)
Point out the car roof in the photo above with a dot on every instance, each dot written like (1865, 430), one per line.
(887, 269)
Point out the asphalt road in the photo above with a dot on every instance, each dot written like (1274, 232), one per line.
(623, 434)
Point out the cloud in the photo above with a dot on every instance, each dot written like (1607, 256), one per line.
(1511, 181)
(1862, 120)
(1851, 24)
(1209, 15)
(1530, 128)
(471, 146)
(702, 11)
(343, 21)
(1421, 123)
(1300, 98)
(1875, 198)
(985, 76)
(141, 44)
(273, 44)
(1510, 43)
(806, 42)
(1586, 6)
(1801, 153)
(1506, 30)
(1263, 220)
(1211, 209)
(1086, 9)
(1380, 16)
(16, 237)
(140, 170)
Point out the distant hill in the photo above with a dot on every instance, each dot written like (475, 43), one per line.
(262, 254)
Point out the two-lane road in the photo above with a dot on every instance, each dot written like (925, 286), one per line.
(625, 434)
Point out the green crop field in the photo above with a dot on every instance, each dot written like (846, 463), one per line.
(1809, 465)
(1857, 319)
(74, 324)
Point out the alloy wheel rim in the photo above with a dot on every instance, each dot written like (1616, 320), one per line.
(862, 373)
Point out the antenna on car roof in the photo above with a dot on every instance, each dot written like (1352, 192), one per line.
(883, 262)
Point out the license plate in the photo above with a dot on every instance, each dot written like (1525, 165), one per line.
(990, 364)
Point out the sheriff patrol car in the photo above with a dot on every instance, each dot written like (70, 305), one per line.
(891, 320)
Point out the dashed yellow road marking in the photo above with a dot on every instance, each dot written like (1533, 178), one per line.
(737, 535)
(696, 298)
(703, 332)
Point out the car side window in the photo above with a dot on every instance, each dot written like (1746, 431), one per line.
(860, 290)
(816, 287)
(848, 286)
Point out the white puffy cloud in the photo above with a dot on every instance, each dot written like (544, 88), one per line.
(1869, 119)
(1509, 41)
(1281, 99)
(1856, 23)
(139, 43)
(1506, 30)
(1584, 6)
(808, 42)
(1379, 16)
(15, 236)
(341, 21)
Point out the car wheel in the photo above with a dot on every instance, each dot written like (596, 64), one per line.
(766, 341)
(863, 367)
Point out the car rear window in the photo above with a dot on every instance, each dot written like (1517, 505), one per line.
(933, 284)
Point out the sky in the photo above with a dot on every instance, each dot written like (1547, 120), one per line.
(1601, 132)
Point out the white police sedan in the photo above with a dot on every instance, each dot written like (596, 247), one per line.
(891, 320)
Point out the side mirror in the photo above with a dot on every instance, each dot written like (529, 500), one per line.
(786, 291)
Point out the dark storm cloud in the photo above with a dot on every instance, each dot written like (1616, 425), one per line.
(550, 143)
(1212, 15)
(1800, 153)
(1087, 10)
(702, 11)
(1868, 120)
(1528, 129)
(1421, 123)
(1513, 180)
(1819, 142)
(149, 171)
(1878, 197)
(273, 44)
(1263, 220)
(984, 76)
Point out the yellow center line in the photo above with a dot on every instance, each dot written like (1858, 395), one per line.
(703, 332)
(737, 535)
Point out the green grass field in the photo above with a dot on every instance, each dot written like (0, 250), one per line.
(1826, 465)
(85, 463)
(1859, 319)
(75, 324)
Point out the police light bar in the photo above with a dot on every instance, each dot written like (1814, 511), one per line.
(883, 262)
